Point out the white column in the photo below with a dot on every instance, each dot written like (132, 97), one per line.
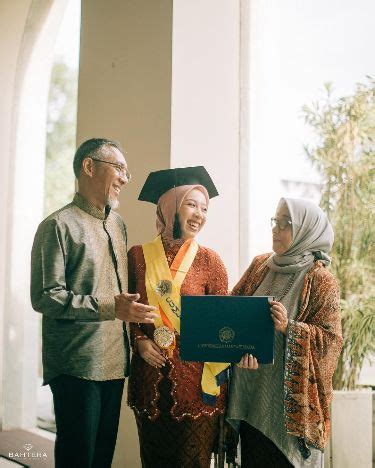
(13, 17)
(30, 30)
(125, 94)
(205, 112)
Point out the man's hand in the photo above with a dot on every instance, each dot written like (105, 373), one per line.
(128, 310)
(151, 353)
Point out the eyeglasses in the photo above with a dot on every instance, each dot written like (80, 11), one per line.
(282, 223)
(121, 170)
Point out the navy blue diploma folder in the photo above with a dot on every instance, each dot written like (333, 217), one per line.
(224, 328)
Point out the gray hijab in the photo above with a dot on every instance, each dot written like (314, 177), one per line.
(312, 237)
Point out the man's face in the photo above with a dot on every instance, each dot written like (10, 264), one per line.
(109, 176)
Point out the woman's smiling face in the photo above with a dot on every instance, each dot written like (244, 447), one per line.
(192, 214)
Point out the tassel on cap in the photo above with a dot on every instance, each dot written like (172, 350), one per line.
(176, 227)
(176, 224)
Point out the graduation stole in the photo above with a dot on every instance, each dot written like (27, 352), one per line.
(163, 285)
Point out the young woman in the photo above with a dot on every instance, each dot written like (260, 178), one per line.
(176, 424)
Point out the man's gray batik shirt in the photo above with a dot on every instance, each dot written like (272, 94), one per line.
(78, 265)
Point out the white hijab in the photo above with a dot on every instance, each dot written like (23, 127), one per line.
(312, 237)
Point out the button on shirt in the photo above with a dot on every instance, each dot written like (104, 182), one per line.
(78, 265)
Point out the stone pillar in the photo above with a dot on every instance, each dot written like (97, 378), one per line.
(125, 91)
(125, 94)
(162, 77)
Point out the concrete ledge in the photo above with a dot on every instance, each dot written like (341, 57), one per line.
(352, 430)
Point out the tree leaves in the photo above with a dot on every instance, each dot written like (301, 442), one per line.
(344, 152)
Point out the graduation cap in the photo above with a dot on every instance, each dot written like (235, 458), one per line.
(159, 182)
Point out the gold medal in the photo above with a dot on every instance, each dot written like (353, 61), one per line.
(163, 337)
(164, 287)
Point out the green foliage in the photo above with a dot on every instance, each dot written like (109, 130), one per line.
(344, 155)
(61, 135)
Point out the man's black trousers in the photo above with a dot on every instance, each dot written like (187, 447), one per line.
(87, 415)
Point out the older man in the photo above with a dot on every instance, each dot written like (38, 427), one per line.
(79, 284)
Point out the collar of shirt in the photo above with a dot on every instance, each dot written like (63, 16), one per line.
(90, 209)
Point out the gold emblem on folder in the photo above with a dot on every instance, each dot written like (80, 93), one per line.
(226, 334)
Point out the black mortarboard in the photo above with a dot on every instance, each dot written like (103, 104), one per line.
(160, 182)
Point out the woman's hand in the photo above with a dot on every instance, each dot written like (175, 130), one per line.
(279, 316)
(151, 353)
(249, 362)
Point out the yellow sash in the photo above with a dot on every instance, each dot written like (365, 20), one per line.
(163, 291)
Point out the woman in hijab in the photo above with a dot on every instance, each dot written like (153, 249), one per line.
(282, 410)
(177, 425)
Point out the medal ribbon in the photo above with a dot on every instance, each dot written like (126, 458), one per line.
(157, 269)
(174, 269)
(169, 304)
